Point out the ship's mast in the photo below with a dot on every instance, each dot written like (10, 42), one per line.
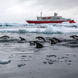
(41, 14)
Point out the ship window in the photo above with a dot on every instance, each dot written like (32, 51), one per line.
(43, 17)
(58, 18)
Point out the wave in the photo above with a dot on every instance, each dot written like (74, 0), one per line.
(40, 28)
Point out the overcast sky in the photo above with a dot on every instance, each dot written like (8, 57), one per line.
(17, 11)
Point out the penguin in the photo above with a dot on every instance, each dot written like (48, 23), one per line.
(37, 43)
(41, 38)
(4, 37)
(22, 39)
(52, 41)
(74, 37)
(31, 43)
(57, 40)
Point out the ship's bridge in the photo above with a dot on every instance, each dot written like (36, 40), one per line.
(53, 18)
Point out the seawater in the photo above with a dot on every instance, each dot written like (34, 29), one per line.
(20, 60)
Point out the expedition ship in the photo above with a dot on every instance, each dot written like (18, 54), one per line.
(50, 19)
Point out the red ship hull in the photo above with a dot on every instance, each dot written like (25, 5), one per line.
(42, 22)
